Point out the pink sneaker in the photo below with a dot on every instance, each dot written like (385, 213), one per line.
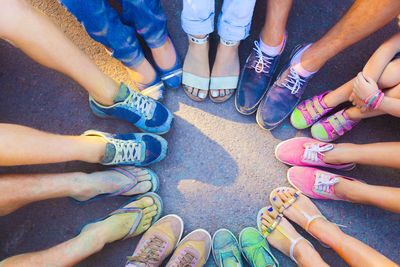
(309, 112)
(304, 151)
(333, 127)
(315, 183)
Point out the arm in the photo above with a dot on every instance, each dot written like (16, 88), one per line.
(381, 57)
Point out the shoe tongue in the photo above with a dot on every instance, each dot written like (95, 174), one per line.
(260, 258)
(109, 153)
(122, 94)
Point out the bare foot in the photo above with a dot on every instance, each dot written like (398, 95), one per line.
(226, 64)
(117, 226)
(303, 252)
(197, 63)
(165, 55)
(90, 185)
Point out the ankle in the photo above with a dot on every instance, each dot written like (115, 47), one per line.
(353, 113)
(326, 231)
(93, 148)
(271, 38)
(144, 73)
(305, 254)
(340, 154)
(349, 190)
(93, 238)
(311, 60)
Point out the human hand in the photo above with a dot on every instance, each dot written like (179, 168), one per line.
(364, 86)
(358, 102)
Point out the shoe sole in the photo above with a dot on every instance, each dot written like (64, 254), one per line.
(212, 241)
(281, 143)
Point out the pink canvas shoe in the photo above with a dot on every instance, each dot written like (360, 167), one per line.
(309, 112)
(304, 151)
(333, 127)
(315, 183)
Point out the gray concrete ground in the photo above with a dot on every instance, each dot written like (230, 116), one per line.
(220, 166)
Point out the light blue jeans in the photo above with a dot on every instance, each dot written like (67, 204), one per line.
(234, 20)
(118, 32)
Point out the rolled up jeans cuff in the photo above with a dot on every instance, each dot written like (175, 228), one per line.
(196, 27)
(157, 43)
(233, 33)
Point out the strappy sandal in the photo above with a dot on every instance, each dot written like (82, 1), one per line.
(133, 210)
(291, 202)
(195, 81)
(155, 184)
(224, 83)
(275, 226)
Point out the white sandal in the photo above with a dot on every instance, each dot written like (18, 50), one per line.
(193, 80)
(226, 82)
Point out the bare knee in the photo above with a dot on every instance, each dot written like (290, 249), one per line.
(390, 77)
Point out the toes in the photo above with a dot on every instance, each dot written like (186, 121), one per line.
(151, 214)
(276, 200)
(150, 209)
(214, 93)
(288, 194)
(282, 195)
(141, 188)
(228, 92)
(143, 203)
(189, 89)
(202, 94)
(195, 91)
(222, 92)
(144, 177)
(272, 212)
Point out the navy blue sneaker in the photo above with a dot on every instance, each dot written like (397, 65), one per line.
(137, 149)
(255, 80)
(283, 96)
(142, 111)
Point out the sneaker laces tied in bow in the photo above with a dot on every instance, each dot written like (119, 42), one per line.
(293, 82)
(263, 63)
(149, 252)
(324, 182)
(312, 151)
(128, 150)
(141, 104)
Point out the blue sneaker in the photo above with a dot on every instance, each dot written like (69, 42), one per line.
(255, 248)
(225, 249)
(172, 77)
(142, 111)
(131, 149)
(283, 96)
(255, 79)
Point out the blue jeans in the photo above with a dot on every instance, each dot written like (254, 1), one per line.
(118, 32)
(233, 23)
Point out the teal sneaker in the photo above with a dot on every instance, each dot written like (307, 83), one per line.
(226, 250)
(255, 249)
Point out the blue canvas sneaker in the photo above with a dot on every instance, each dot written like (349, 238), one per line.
(283, 96)
(255, 80)
(143, 112)
(137, 149)
(225, 249)
(172, 77)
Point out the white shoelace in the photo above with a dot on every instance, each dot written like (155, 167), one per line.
(312, 151)
(323, 182)
(264, 62)
(294, 81)
(127, 151)
(140, 103)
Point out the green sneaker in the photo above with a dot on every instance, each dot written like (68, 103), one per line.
(226, 250)
(255, 249)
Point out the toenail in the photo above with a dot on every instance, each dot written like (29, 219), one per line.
(202, 95)
(190, 90)
(232, 91)
(262, 214)
(283, 190)
(270, 208)
(222, 94)
(214, 93)
(274, 198)
(278, 191)
(195, 94)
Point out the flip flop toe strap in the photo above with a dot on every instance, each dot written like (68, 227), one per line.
(294, 243)
(273, 226)
(290, 202)
(135, 223)
(126, 188)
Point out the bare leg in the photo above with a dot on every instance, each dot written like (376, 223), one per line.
(39, 38)
(353, 251)
(91, 240)
(357, 192)
(275, 21)
(380, 154)
(20, 145)
(17, 190)
(363, 18)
